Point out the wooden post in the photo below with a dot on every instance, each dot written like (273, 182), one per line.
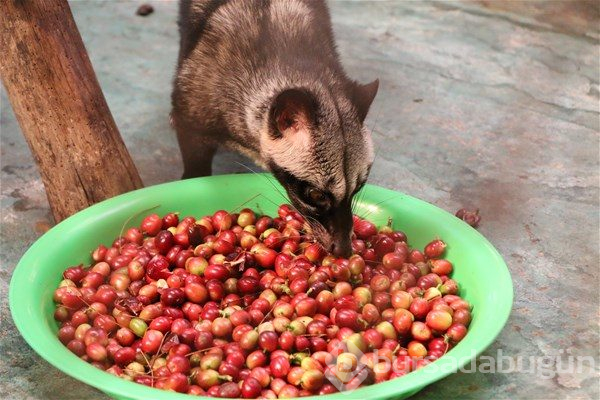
(60, 107)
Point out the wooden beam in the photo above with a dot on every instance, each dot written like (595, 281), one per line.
(60, 107)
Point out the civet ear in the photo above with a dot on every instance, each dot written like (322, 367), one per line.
(363, 96)
(292, 111)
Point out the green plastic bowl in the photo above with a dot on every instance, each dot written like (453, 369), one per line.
(482, 274)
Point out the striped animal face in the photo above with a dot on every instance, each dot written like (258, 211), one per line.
(321, 153)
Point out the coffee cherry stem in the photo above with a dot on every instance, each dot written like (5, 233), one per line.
(150, 365)
(137, 214)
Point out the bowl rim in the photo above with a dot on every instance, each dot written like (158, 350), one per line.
(115, 386)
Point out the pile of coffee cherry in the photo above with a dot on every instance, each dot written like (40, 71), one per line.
(237, 305)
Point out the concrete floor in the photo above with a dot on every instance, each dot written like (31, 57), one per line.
(485, 104)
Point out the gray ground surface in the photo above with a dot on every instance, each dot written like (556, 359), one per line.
(477, 107)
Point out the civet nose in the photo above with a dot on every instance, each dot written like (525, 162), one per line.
(341, 248)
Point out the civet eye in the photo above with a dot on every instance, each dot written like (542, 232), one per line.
(316, 196)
